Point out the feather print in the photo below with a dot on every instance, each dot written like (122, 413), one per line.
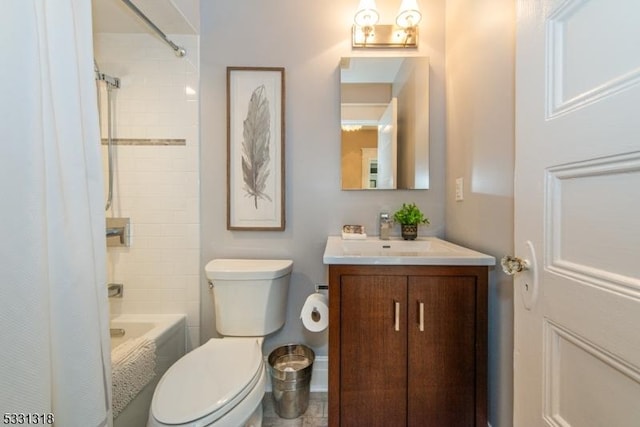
(255, 146)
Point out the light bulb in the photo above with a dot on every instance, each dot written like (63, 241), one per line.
(409, 14)
(367, 14)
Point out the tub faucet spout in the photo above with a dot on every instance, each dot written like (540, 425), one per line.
(115, 290)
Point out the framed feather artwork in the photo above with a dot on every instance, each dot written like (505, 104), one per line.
(255, 148)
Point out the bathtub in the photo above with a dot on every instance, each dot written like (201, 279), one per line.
(168, 332)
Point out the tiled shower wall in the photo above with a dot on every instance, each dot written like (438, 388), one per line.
(155, 185)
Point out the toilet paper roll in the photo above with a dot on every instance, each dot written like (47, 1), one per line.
(315, 313)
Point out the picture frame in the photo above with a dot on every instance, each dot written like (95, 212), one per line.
(255, 148)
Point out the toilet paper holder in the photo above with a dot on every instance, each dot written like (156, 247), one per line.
(315, 314)
(315, 310)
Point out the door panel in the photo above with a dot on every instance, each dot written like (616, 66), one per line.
(442, 357)
(373, 383)
(579, 380)
(579, 76)
(594, 196)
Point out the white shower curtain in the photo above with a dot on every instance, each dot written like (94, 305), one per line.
(54, 344)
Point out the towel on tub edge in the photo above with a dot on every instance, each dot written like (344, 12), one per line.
(133, 365)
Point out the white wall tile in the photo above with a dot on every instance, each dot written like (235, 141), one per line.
(156, 186)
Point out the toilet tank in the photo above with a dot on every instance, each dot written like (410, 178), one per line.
(250, 295)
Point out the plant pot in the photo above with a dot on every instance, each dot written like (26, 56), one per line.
(409, 232)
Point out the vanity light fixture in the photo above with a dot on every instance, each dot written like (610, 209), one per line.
(366, 32)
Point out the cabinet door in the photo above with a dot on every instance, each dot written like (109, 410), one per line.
(442, 354)
(373, 339)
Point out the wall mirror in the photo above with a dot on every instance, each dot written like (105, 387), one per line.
(384, 115)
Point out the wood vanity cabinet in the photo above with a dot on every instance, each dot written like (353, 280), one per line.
(387, 370)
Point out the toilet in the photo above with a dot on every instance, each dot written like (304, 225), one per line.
(222, 382)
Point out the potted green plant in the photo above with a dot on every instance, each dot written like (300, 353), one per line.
(409, 217)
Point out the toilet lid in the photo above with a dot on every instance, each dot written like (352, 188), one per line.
(209, 379)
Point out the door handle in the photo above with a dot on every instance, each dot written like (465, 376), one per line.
(396, 325)
(421, 316)
(512, 265)
(528, 279)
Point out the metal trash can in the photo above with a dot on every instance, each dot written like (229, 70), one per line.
(290, 368)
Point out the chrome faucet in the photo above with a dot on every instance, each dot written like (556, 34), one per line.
(385, 225)
(118, 227)
(116, 231)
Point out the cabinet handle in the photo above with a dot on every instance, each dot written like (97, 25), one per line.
(396, 326)
(421, 316)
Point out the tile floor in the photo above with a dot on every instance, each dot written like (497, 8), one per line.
(315, 416)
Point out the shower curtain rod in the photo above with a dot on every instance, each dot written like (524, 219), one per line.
(180, 51)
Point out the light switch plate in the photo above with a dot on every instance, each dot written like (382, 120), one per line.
(459, 189)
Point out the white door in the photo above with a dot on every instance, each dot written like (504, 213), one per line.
(388, 146)
(577, 200)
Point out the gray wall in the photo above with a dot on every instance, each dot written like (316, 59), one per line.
(308, 41)
(480, 149)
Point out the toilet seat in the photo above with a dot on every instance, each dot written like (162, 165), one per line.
(209, 381)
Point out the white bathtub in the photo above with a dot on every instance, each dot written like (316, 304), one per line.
(168, 332)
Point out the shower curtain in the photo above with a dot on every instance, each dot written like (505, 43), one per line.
(54, 343)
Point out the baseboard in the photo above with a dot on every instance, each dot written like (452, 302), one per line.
(319, 375)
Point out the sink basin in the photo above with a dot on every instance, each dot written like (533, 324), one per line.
(423, 251)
